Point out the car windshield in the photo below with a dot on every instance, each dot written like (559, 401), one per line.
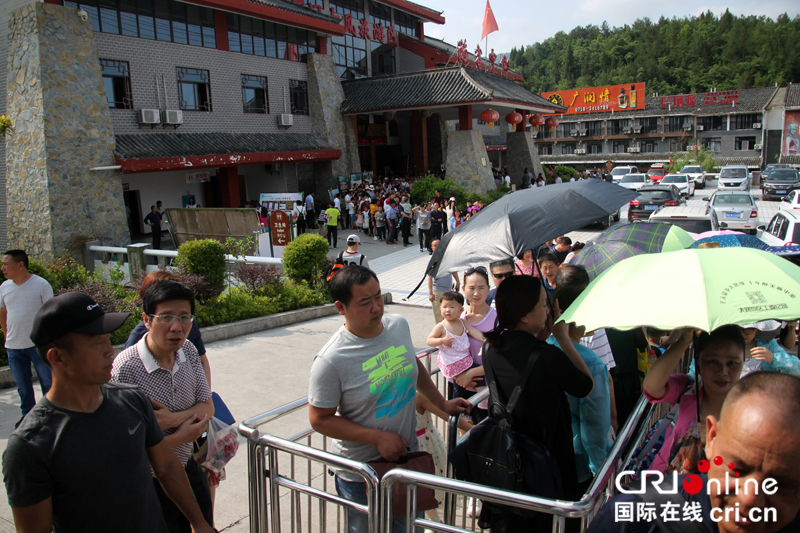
(692, 226)
(693, 170)
(620, 171)
(655, 196)
(653, 171)
(633, 178)
(674, 179)
(733, 173)
(782, 174)
(732, 199)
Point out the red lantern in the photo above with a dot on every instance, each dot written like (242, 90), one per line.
(514, 118)
(536, 121)
(551, 123)
(490, 116)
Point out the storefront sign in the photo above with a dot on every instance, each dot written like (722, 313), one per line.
(692, 100)
(600, 99)
(371, 32)
(197, 177)
(280, 201)
(279, 228)
(791, 141)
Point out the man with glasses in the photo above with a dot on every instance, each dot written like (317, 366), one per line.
(500, 270)
(167, 369)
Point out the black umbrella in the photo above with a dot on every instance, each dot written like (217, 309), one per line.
(525, 219)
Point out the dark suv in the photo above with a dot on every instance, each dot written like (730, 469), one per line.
(651, 198)
(780, 182)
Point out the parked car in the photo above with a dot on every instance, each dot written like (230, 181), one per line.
(694, 219)
(682, 181)
(656, 173)
(780, 182)
(697, 174)
(734, 177)
(736, 209)
(770, 168)
(617, 173)
(651, 197)
(782, 230)
(634, 182)
(790, 202)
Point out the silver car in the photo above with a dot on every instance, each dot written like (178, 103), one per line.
(634, 182)
(697, 174)
(682, 181)
(735, 210)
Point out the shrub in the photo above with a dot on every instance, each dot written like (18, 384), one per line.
(66, 273)
(298, 295)
(259, 280)
(304, 255)
(205, 258)
(107, 295)
(565, 172)
(424, 188)
(200, 287)
(236, 305)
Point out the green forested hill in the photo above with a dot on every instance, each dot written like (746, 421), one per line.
(672, 56)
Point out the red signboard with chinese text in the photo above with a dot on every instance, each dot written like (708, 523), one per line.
(279, 229)
(600, 99)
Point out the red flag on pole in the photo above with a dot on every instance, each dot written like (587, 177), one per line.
(489, 22)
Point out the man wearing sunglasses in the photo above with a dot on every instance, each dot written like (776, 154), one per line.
(500, 270)
(167, 369)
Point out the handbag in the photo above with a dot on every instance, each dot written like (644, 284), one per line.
(418, 462)
(645, 454)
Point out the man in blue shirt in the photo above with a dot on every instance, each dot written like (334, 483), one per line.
(391, 221)
(311, 217)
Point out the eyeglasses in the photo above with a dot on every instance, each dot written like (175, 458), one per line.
(503, 275)
(471, 270)
(185, 320)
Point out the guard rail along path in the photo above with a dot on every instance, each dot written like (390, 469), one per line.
(290, 489)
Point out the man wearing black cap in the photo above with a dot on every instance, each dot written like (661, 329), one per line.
(81, 459)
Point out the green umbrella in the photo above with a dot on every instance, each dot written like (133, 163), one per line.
(597, 257)
(702, 289)
(650, 236)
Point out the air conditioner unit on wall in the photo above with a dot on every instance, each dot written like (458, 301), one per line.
(149, 116)
(573, 133)
(700, 128)
(687, 127)
(756, 125)
(627, 131)
(637, 129)
(173, 117)
(756, 147)
(580, 151)
(633, 150)
(285, 120)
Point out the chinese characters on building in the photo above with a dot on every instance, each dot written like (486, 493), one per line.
(691, 100)
(361, 28)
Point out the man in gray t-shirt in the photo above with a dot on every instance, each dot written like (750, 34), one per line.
(21, 297)
(437, 287)
(363, 384)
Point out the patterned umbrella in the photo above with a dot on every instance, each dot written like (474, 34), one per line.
(733, 241)
(783, 251)
(716, 233)
(598, 256)
(650, 237)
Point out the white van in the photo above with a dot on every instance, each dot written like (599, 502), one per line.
(734, 177)
(619, 172)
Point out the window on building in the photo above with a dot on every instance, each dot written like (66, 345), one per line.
(194, 89)
(268, 39)
(618, 127)
(405, 23)
(254, 94)
(383, 61)
(117, 83)
(299, 96)
(711, 123)
(744, 143)
(567, 148)
(163, 20)
(349, 52)
(675, 124)
(594, 148)
(620, 147)
(649, 146)
(678, 145)
(545, 133)
(713, 144)
(593, 128)
(565, 129)
(746, 121)
(648, 125)
(545, 149)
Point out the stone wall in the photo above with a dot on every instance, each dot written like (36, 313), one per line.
(325, 99)
(522, 153)
(63, 128)
(467, 161)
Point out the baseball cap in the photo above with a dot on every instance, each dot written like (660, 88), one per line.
(353, 238)
(72, 312)
(452, 199)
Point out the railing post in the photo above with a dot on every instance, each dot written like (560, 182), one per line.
(88, 255)
(136, 259)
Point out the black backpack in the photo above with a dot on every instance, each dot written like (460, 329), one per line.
(496, 455)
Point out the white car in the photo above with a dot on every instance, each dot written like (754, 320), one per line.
(694, 219)
(617, 173)
(697, 174)
(735, 210)
(681, 181)
(634, 182)
(782, 230)
(735, 177)
(790, 202)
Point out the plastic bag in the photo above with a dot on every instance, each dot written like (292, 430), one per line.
(222, 444)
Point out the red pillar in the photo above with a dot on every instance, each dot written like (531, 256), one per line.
(229, 181)
(521, 125)
(322, 44)
(464, 117)
(419, 125)
(221, 30)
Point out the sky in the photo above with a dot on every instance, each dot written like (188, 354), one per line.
(522, 23)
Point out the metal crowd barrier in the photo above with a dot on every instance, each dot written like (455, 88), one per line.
(266, 479)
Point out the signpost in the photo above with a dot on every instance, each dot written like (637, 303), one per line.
(279, 228)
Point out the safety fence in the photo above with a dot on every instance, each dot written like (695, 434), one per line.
(291, 488)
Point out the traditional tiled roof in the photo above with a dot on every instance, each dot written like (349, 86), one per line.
(750, 101)
(436, 87)
(450, 49)
(160, 145)
(793, 96)
(299, 9)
